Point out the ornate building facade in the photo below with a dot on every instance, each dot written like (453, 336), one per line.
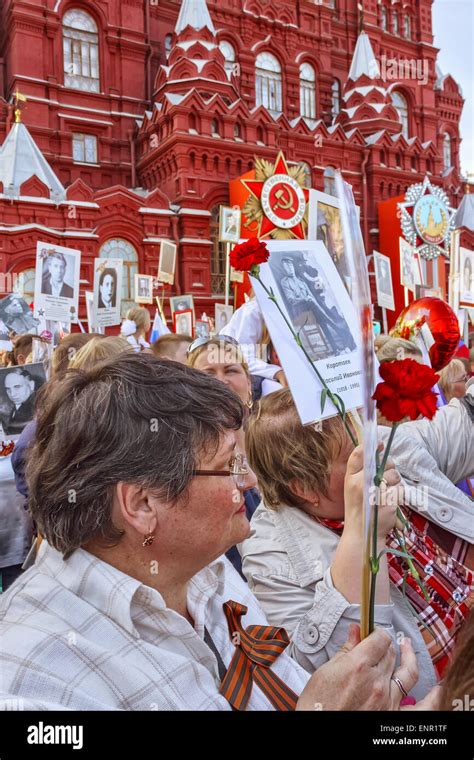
(140, 112)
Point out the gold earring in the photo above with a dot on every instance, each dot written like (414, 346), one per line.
(249, 403)
(148, 539)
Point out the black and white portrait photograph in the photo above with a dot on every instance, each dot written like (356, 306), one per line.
(466, 277)
(312, 305)
(383, 281)
(407, 273)
(167, 262)
(16, 315)
(183, 322)
(229, 224)
(143, 288)
(57, 282)
(312, 297)
(107, 292)
(18, 388)
(202, 329)
(182, 303)
(223, 315)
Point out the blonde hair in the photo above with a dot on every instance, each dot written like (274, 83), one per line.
(448, 374)
(280, 449)
(390, 349)
(98, 349)
(140, 316)
(227, 350)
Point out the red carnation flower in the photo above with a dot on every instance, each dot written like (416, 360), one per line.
(406, 390)
(250, 254)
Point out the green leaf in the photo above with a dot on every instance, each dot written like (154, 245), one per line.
(324, 396)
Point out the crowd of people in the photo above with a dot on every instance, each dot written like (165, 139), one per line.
(172, 537)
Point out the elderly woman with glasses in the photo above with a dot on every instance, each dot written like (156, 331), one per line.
(130, 604)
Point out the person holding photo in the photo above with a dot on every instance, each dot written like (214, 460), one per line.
(145, 497)
(303, 558)
(54, 270)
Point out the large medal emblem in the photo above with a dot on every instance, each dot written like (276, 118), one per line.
(427, 219)
(278, 200)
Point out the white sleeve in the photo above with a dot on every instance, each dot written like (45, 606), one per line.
(246, 327)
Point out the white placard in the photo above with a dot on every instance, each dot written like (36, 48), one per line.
(57, 282)
(108, 275)
(383, 281)
(314, 300)
(407, 266)
(466, 277)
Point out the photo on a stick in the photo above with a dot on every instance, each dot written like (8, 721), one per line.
(315, 302)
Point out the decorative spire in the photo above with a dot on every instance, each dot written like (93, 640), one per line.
(17, 99)
(21, 159)
(360, 6)
(364, 62)
(194, 13)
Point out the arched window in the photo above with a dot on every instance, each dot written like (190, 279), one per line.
(401, 105)
(228, 52)
(215, 128)
(168, 39)
(24, 285)
(307, 91)
(260, 135)
(268, 82)
(383, 18)
(116, 248)
(218, 255)
(395, 22)
(329, 180)
(407, 27)
(237, 131)
(336, 98)
(447, 151)
(81, 51)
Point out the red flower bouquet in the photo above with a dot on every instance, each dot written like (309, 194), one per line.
(245, 256)
(406, 390)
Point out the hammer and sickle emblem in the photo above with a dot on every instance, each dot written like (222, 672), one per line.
(284, 202)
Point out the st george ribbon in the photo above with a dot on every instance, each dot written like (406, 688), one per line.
(360, 294)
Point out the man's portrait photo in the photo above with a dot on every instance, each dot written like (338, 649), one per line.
(107, 289)
(383, 281)
(18, 387)
(223, 315)
(57, 278)
(55, 270)
(16, 315)
(311, 305)
(182, 303)
(183, 322)
(143, 288)
(229, 224)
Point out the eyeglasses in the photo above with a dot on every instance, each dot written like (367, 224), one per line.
(202, 342)
(462, 379)
(238, 468)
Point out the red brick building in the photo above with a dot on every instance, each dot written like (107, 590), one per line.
(142, 111)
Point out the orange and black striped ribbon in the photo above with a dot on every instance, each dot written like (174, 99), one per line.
(256, 649)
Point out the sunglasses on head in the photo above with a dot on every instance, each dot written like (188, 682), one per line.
(203, 341)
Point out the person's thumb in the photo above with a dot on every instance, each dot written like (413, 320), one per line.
(355, 462)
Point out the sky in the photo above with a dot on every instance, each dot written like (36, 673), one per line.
(453, 29)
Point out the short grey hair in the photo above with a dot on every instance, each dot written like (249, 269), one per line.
(134, 419)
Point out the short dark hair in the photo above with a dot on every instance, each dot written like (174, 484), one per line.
(134, 419)
(108, 271)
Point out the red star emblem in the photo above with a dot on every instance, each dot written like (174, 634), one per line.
(282, 199)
